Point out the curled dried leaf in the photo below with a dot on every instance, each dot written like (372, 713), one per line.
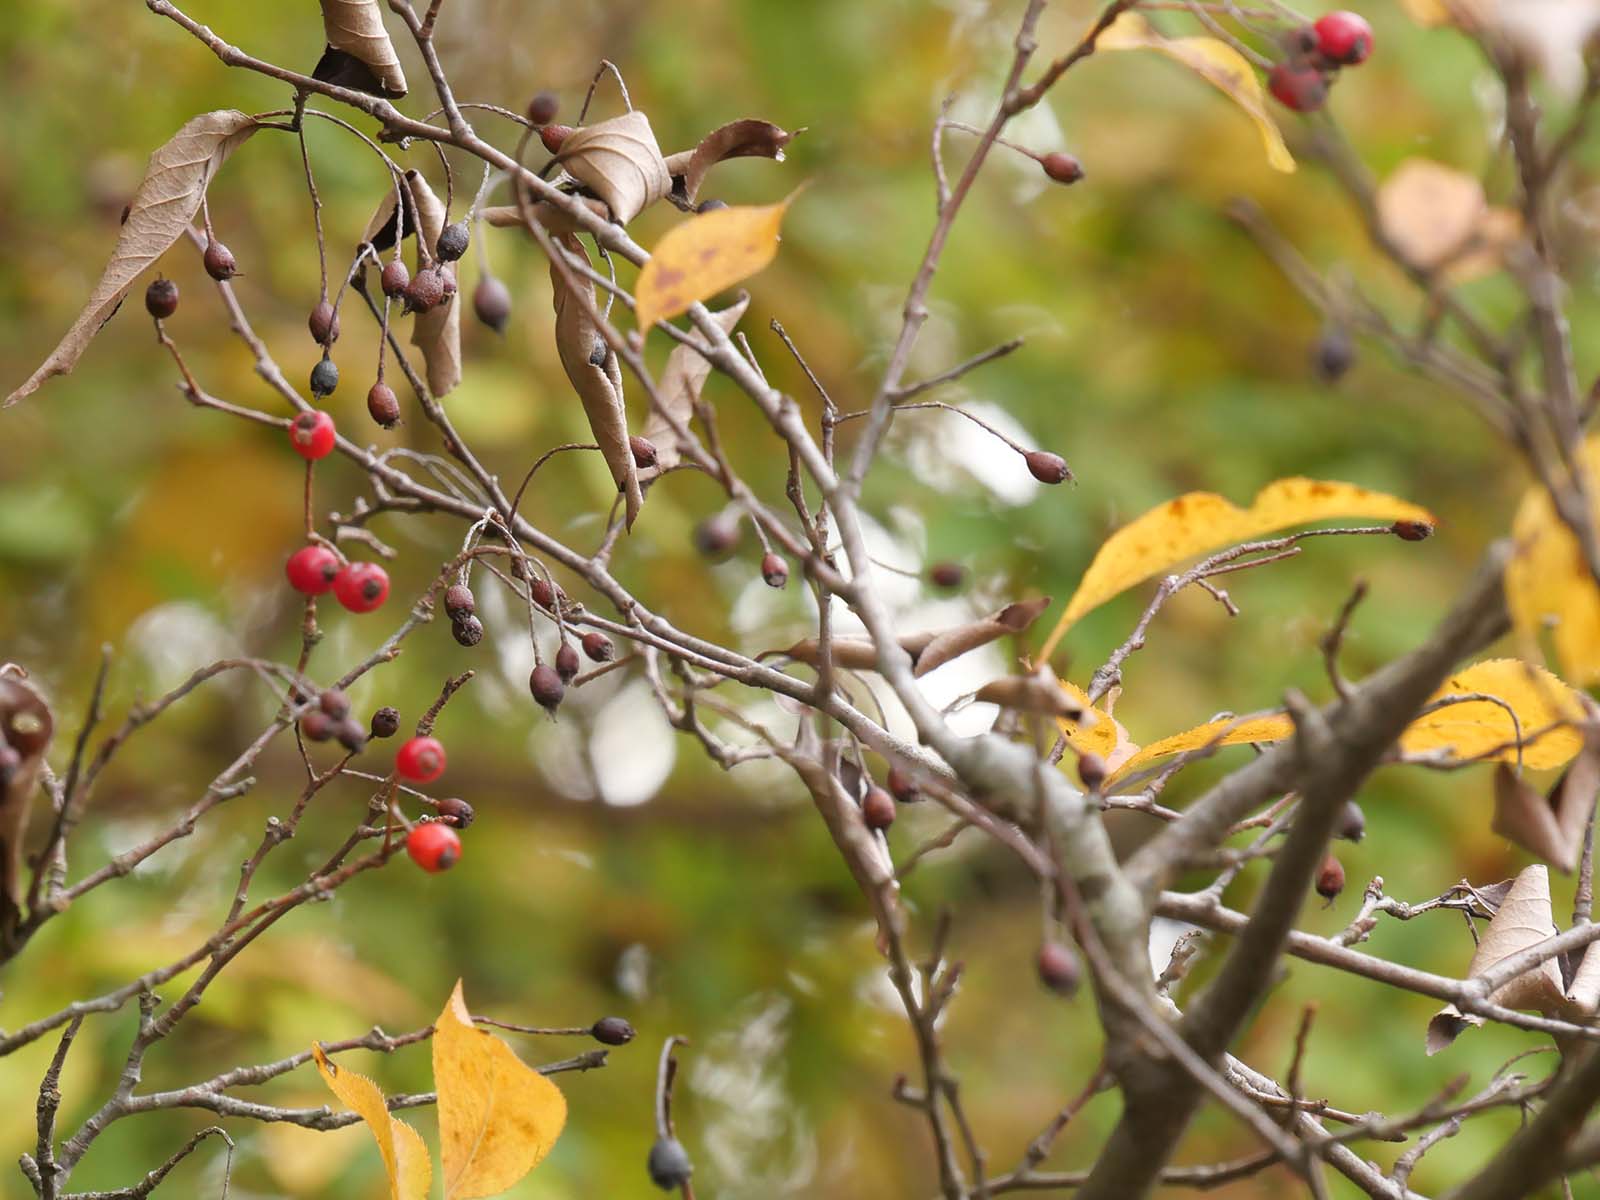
(929, 649)
(592, 366)
(556, 221)
(437, 332)
(682, 380)
(160, 212)
(748, 138)
(389, 220)
(26, 726)
(1552, 826)
(1040, 692)
(405, 1156)
(355, 27)
(620, 162)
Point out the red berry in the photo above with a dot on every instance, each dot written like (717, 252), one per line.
(877, 808)
(1330, 879)
(774, 570)
(1344, 38)
(420, 759)
(1298, 86)
(312, 570)
(312, 435)
(361, 587)
(598, 646)
(433, 846)
(553, 135)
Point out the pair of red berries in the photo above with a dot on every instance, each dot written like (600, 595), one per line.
(1338, 39)
(359, 586)
(433, 845)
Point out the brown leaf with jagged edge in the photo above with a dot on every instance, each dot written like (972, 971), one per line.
(405, 1156)
(620, 162)
(1553, 826)
(931, 648)
(498, 1117)
(748, 138)
(680, 385)
(556, 221)
(162, 208)
(437, 332)
(356, 28)
(26, 725)
(1523, 919)
(1040, 692)
(592, 367)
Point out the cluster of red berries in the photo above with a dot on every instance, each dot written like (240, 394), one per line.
(433, 845)
(1316, 52)
(315, 569)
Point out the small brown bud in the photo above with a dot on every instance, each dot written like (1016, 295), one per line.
(1047, 467)
(947, 574)
(547, 687)
(455, 812)
(323, 324)
(467, 630)
(598, 647)
(644, 451)
(219, 261)
(161, 298)
(774, 570)
(385, 722)
(1330, 879)
(877, 808)
(1058, 968)
(1063, 168)
(1412, 531)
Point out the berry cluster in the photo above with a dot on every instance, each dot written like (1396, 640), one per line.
(1316, 52)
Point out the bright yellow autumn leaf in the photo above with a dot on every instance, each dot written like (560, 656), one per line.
(1234, 731)
(1103, 735)
(1200, 522)
(1217, 63)
(405, 1157)
(704, 255)
(498, 1117)
(1548, 581)
(1470, 729)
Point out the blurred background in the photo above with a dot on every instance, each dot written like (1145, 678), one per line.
(612, 868)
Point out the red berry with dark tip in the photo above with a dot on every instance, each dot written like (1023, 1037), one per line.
(775, 571)
(1298, 86)
(1047, 467)
(1344, 38)
(312, 570)
(433, 846)
(420, 759)
(312, 435)
(361, 587)
(598, 647)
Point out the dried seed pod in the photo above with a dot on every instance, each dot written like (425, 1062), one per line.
(1047, 467)
(611, 1031)
(1063, 168)
(467, 630)
(385, 722)
(553, 135)
(455, 812)
(716, 536)
(547, 688)
(567, 662)
(598, 647)
(459, 601)
(1412, 531)
(324, 378)
(453, 242)
(425, 291)
(1333, 354)
(1330, 879)
(394, 279)
(1091, 770)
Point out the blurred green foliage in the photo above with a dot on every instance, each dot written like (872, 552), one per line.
(1164, 354)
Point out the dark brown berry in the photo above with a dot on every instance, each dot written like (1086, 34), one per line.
(1058, 968)
(611, 1031)
(553, 135)
(467, 630)
(644, 452)
(1330, 879)
(424, 291)
(324, 378)
(459, 601)
(1333, 355)
(706, 206)
(543, 107)
(219, 261)
(1412, 531)
(1047, 467)
(1063, 168)
(455, 812)
(394, 279)
(161, 298)
(1352, 826)
(902, 787)
(317, 726)
(543, 594)
(716, 537)
(567, 662)
(598, 647)
(323, 324)
(454, 240)
(383, 405)
(385, 722)
(669, 1164)
(350, 734)
(1091, 770)
(491, 301)
(546, 687)
(877, 808)
(774, 570)
(947, 574)
(335, 703)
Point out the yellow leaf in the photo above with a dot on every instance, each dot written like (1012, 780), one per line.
(1217, 63)
(405, 1158)
(704, 255)
(498, 1117)
(1234, 731)
(1474, 727)
(1102, 735)
(1427, 13)
(1200, 522)
(1548, 580)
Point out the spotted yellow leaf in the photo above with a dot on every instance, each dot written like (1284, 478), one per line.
(405, 1157)
(704, 255)
(1470, 729)
(1097, 732)
(1200, 522)
(1217, 63)
(1233, 731)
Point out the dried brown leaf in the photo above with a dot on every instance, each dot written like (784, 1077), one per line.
(1039, 692)
(680, 385)
(748, 138)
(556, 221)
(380, 231)
(620, 162)
(592, 367)
(162, 208)
(356, 28)
(26, 725)
(437, 332)
(1552, 826)
(935, 646)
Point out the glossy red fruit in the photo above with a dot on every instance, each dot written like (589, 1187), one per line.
(774, 571)
(312, 570)
(312, 435)
(361, 587)
(433, 846)
(420, 759)
(1298, 86)
(1344, 38)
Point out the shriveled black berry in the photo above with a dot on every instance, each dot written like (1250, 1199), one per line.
(383, 405)
(644, 452)
(669, 1164)
(394, 279)
(541, 591)
(544, 106)
(547, 687)
(468, 630)
(611, 1031)
(219, 261)
(1047, 467)
(598, 647)
(877, 808)
(1058, 968)
(317, 726)
(459, 601)
(350, 734)
(324, 378)
(335, 703)
(455, 812)
(161, 298)
(1333, 355)
(323, 324)
(385, 722)
(491, 301)
(774, 571)
(424, 291)
(567, 662)
(454, 240)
